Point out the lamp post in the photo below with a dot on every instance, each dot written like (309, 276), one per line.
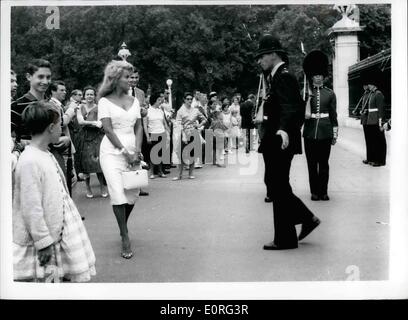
(169, 82)
(124, 52)
(209, 70)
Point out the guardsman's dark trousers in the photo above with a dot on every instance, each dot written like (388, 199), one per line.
(317, 155)
(376, 145)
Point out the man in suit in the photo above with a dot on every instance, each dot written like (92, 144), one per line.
(283, 115)
(247, 114)
(58, 92)
(134, 91)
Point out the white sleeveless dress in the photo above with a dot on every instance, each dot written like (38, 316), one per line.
(113, 163)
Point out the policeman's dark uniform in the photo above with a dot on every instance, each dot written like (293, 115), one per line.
(372, 110)
(321, 126)
(283, 110)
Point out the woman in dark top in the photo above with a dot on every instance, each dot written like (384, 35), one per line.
(89, 142)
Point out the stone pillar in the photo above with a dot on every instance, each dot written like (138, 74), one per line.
(344, 37)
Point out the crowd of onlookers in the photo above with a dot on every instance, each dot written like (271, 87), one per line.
(226, 117)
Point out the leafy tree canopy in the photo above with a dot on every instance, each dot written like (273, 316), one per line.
(198, 47)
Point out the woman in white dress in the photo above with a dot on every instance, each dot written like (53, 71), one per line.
(121, 146)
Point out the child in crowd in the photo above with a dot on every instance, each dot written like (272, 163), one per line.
(49, 239)
(234, 133)
(219, 131)
(226, 119)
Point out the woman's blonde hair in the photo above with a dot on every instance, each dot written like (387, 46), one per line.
(113, 72)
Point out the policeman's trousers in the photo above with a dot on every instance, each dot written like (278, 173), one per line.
(288, 209)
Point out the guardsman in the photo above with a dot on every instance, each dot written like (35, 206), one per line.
(372, 116)
(321, 128)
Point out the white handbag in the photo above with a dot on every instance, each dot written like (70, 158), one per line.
(134, 179)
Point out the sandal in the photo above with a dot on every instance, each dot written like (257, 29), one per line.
(127, 255)
(89, 195)
(191, 177)
(126, 251)
(177, 178)
(104, 195)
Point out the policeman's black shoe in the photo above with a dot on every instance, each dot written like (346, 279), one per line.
(377, 164)
(324, 197)
(315, 197)
(268, 199)
(365, 161)
(308, 227)
(273, 246)
(143, 193)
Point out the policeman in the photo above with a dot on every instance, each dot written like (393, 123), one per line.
(283, 113)
(320, 128)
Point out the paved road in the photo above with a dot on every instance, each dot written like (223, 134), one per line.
(212, 229)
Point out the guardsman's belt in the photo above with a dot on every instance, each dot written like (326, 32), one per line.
(319, 115)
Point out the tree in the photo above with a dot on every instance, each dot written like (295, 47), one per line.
(198, 47)
(376, 35)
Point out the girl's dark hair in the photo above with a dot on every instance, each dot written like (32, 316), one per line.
(89, 88)
(186, 94)
(74, 92)
(39, 115)
(36, 64)
(154, 96)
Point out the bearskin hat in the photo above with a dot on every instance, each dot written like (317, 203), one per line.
(316, 63)
(371, 77)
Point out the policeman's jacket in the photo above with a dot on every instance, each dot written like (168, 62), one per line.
(284, 110)
(319, 124)
(372, 107)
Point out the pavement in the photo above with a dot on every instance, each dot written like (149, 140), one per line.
(212, 229)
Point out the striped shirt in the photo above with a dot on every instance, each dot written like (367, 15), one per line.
(17, 108)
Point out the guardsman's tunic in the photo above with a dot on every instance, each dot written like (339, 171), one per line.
(372, 111)
(319, 130)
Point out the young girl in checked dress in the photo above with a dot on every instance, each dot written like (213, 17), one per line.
(49, 239)
(219, 131)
